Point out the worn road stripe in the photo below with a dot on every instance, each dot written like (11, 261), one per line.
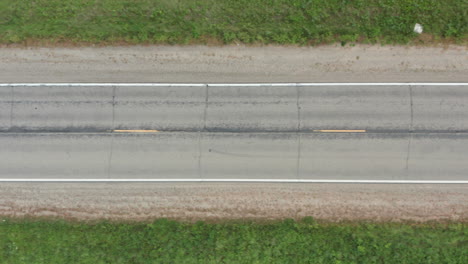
(241, 180)
(135, 131)
(224, 84)
(341, 131)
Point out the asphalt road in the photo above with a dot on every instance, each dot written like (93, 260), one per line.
(178, 155)
(233, 64)
(198, 131)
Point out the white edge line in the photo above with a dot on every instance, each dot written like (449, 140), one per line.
(220, 84)
(242, 180)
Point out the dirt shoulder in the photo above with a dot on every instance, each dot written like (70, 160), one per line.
(197, 201)
(361, 63)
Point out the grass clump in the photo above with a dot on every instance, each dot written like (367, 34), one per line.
(288, 241)
(226, 21)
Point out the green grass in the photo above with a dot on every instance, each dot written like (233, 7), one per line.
(300, 22)
(166, 241)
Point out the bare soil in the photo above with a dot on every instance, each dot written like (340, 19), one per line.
(361, 63)
(227, 201)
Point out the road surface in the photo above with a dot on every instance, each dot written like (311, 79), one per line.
(378, 132)
(238, 64)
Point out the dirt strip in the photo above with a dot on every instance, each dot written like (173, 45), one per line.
(219, 201)
(361, 63)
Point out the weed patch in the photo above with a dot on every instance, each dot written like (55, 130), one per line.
(301, 22)
(288, 241)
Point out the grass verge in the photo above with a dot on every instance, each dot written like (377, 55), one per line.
(300, 22)
(167, 241)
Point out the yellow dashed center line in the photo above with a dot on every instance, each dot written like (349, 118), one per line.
(135, 131)
(341, 131)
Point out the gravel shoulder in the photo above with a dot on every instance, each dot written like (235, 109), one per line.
(213, 202)
(360, 63)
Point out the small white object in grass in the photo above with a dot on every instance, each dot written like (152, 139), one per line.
(418, 28)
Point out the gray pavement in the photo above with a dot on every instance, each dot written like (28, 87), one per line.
(433, 153)
(349, 156)
(235, 132)
(398, 108)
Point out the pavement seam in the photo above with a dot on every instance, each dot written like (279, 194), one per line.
(113, 108)
(109, 161)
(408, 151)
(199, 154)
(11, 105)
(410, 131)
(410, 90)
(298, 163)
(205, 110)
(206, 107)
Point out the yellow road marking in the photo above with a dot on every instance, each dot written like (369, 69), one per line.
(341, 131)
(135, 131)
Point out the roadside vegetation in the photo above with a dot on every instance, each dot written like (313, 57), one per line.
(288, 241)
(301, 22)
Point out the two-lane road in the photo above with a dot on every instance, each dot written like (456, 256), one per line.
(316, 132)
